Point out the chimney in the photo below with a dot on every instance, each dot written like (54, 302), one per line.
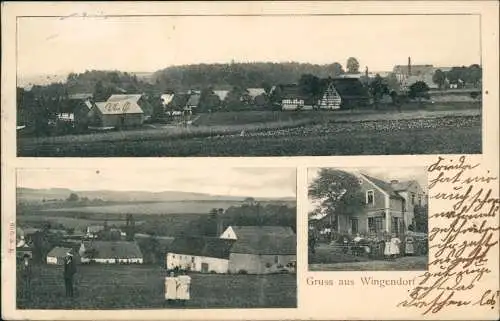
(409, 66)
(394, 182)
(220, 223)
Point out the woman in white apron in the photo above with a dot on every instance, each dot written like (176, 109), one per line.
(395, 242)
(171, 288)
(387, 248)
(183, 288)
(409, 246)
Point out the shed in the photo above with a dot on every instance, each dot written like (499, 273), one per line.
(123, 113)
(57, 255)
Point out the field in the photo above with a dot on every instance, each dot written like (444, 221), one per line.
(140, 287)
(78, 224)
(171, 207)
(385, 132)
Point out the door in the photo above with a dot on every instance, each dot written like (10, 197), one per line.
(204, 267)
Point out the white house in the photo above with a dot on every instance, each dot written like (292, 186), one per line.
(200, 254)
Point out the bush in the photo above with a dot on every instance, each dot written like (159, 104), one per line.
(242, 272)
(213, 272)
(268, 265)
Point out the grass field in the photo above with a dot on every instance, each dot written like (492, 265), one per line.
(141, 287)
(310, 133)
(171, 207)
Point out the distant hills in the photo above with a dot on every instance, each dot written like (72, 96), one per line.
(38, 195)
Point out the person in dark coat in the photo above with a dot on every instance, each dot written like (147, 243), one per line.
(69, 273)
(26, 275)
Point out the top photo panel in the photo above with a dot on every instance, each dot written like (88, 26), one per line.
(272, 85)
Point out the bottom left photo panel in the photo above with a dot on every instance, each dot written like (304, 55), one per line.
(172, 238)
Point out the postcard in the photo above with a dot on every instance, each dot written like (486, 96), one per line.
(250, 160)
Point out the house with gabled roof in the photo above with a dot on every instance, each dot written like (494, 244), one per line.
(261, 249)
(57, 255)
(200, 254)
(388, 207)
(111, 252)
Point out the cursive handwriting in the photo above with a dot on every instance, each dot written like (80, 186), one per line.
(461, 244)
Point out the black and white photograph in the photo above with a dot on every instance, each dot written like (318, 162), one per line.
(156, 239)
(248, 85)
(367, 219)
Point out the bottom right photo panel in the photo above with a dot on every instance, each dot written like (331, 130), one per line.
(368, 219)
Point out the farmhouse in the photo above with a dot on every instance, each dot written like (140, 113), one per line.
(201, 254)
(111, 252)
(116, 114)
(293, 98)
(76, 110)
(57, 255)
(93, 230)
(388, 207)
(139, 99)
(351, 91)
(260, 249)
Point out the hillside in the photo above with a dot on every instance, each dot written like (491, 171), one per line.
(246, 75)
(38, 195)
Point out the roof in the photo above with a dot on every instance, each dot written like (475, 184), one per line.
(167, 98)
(221, 93)
(118, 97)
(179, 100)
(201, 246)
(59, 251)
(265, 240)
(254, 92)
(350, 88)
(114, 249)
(386, 187)
(193, 100)
(402, 186)
(415, 69)
(81, 96)
(293, 91)
(95, 228)
(119, 107)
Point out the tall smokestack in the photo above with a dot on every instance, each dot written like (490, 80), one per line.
(409, 66)
(220, 222)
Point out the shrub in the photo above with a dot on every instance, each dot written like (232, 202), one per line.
(242, 272)
(268, 265)
(212, 272)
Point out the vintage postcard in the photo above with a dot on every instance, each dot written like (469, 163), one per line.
(250, 160)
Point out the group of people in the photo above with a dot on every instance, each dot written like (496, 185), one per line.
(390, 247)
(177, 288)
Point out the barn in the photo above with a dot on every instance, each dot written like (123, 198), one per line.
(293, 98)
(116, 114)
(139, 99)
(200, 254)
(260, 249)
(111, 252)
(351, 91)
(57, 255)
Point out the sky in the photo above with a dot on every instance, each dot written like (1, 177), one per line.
(251, 182)
(143, 44)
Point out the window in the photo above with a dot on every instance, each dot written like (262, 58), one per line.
(412, 198)
(369, 198)
(192, 259)
(375, 224)
(395, 225)
(276, 259)
(419, 200)
(354, 225)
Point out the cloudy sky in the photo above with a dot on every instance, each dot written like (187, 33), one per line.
(253, 182)
(54, 45)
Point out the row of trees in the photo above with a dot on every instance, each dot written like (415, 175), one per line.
(460, 76)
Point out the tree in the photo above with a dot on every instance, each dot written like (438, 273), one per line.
(421, 216)
(439, 78)
(208, 100)
(73, 197)
(310, 85)
(338, 193)
(475, 73)
(130, 227)
(419, 90)
(352, 65)
(378, 88)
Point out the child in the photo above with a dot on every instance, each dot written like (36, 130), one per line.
(171, 288)
(395, 242)
(409, 247)
(183, 287)
(387, 248)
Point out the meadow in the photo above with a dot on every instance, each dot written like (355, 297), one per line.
(269, 133)
(170, 207)
(142, 287)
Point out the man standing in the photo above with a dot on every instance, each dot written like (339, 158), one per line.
(26, 275)
(69, 272)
